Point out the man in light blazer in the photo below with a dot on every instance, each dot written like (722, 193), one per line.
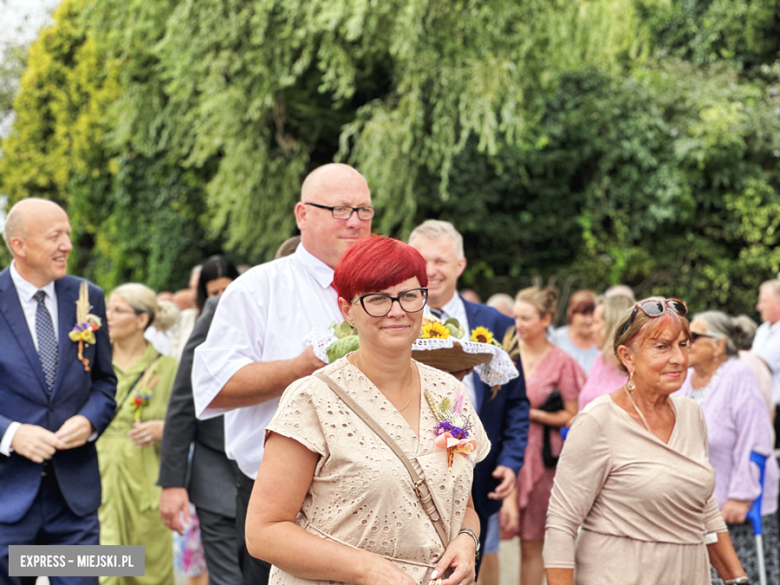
(53, 402)
(503, 411)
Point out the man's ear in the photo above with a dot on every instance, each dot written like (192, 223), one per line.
(300, 215)
(461, 266)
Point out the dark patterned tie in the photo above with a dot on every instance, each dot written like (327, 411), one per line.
(47, 342)
(438, 313)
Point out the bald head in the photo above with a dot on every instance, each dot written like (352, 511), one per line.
(329, 186)
(37, 232)
(26, 211)
(329, 177)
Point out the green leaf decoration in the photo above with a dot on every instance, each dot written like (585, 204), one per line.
(342, 330)
(338, 349)
(445, 405)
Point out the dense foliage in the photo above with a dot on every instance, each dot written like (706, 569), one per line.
(596, 141)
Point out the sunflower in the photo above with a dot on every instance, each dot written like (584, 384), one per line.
(481, 335)
(435, 331)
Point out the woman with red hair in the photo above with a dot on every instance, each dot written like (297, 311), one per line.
(335, 500)
(635, 475)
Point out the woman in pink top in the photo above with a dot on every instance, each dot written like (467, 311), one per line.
(605, 374)
(546, 368)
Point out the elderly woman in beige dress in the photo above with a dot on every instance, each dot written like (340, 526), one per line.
(332, 501)
(634, 473)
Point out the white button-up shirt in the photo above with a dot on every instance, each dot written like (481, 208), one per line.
(263, 316)
(766, 345)
(26, 291)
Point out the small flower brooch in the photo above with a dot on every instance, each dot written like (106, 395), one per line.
(452, 427)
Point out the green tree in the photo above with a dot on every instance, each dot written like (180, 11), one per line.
(134, 218)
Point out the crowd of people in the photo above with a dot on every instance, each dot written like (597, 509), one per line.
(203, 425)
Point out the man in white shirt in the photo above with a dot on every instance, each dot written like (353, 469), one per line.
(53, 403)
(254, 348)
(503, 411)
(766, 343)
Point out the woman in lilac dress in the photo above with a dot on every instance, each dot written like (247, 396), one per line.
(737, 423)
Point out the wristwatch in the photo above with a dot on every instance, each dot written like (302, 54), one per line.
(738, 581)
(470, 532)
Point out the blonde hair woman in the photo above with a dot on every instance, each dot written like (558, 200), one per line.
(129, 449)
(547, 369)
(606, 374)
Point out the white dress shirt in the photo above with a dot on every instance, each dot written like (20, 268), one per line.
(263, 316)
(455, 309)
(766, 345)
(26, 292)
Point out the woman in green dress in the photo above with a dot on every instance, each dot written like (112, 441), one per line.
(129, 449)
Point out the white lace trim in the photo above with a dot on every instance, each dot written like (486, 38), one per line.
(498, 371)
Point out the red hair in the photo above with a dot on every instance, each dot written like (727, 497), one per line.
(376, 263)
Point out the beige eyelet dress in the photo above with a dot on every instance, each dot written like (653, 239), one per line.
(361, 494)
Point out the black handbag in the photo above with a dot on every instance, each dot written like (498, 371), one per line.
(553, 403)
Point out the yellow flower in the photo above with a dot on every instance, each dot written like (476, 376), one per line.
(435, 331)
(87, 336)
(481, 335)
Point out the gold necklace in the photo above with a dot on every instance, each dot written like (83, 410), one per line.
(411, 389)
(639, 412)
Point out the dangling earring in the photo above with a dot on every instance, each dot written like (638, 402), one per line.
(631, 385)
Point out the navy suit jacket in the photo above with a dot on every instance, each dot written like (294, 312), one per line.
(24, 398)
(504, 417)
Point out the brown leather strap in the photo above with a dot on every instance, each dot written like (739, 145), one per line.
(420, 487)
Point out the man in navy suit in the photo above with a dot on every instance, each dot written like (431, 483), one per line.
(52, 403)
(503, 411)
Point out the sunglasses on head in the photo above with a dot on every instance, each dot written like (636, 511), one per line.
(655, 308)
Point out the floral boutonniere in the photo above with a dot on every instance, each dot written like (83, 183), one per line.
(83, 331)
(143, 395)
(452, 427)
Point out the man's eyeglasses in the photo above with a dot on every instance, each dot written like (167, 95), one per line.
(345, 212)
(380, 304)
(655, 308)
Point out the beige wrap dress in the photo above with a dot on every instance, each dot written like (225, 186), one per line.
(645, 506)
(361, 494)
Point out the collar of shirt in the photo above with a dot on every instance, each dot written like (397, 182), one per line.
(457, 310)
(320, 271)
(25, 290)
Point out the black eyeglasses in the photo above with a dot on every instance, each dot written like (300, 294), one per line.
(345, 212)
(380, 304)
(655, 308)
(695, 336)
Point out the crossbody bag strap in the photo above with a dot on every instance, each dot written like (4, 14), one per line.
(420, 487)
(121, 403)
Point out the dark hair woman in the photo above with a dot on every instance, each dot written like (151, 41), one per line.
(215, 275)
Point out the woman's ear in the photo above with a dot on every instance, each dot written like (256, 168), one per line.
(626, 357)
(720, 347)
(346, 310)
(143, 321)
(547, 320)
